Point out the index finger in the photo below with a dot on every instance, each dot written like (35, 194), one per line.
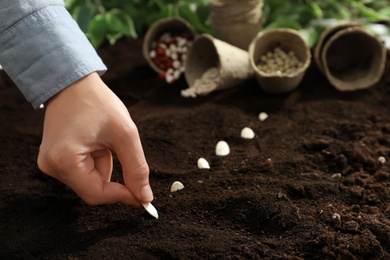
(128, 147)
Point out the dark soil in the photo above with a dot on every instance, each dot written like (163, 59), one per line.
(277, 196)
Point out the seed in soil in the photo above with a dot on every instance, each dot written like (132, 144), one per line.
(177, 185)
(150, 209)
(247, 133)
(337, 217)
(168, 53)
(263, 116)
(381, 159)
(222, 148)
(279, 62)
(203, 164)
(336, 176)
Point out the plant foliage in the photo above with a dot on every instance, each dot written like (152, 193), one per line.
(109, 20)
(311, 17)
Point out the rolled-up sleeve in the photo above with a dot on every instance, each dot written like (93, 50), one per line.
(43, 49)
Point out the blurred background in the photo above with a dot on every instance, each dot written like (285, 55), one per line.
(106, 21)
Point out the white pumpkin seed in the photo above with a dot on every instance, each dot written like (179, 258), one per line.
(150, 209)
(152, 54)
(381, 159)
(222, 148)
(169, 78)
(176, 64)
(203, 164)
(247, 133)
(177, 185)
(263, 116)
(176, 74)
(336, 216)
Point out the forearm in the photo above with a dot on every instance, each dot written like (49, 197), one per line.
(42, 48)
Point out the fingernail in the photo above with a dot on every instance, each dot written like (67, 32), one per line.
(146, 193)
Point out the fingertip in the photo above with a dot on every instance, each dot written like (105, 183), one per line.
(146, 194)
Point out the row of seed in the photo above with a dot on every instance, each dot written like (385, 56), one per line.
(221, 149)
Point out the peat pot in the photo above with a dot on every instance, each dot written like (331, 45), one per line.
(174, 26)
(236, 21)
(350, 57)
(289, 42)
(231, 64)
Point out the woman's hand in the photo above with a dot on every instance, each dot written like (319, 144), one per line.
(83, 125)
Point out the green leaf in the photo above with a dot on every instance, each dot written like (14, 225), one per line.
(120, 22)
(114, 37)
(72, 4)
(153, 17)
(97, 30)
(370, 13)
(385, 11)
(283, 23)
(288, 11)
(315, 9)
(203, 11)
(311, 36)
(337, 10)
(138, 15)
(83, 15)
(186, 13)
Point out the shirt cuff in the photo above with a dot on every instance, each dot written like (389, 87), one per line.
(45, 52)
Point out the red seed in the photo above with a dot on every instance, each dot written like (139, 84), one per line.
(169, 63)
(172, 41)
(160, 51)
(160, 62)
(170, 79)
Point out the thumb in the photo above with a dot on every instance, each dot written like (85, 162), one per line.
(135, 169)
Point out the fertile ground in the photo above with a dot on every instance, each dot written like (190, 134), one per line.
(308, 186)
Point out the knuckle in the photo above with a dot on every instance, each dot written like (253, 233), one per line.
(129, 129)
(55, 158)
(142, 171)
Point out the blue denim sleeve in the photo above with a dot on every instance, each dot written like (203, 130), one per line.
(42, 48)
